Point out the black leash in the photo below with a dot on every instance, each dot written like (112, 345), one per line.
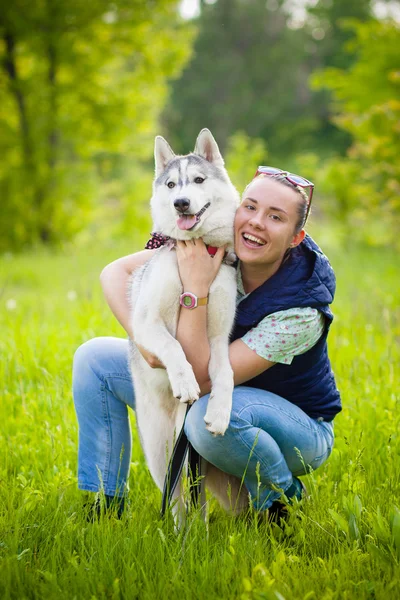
(181, 449)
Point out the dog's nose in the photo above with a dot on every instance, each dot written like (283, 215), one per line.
(182, 204)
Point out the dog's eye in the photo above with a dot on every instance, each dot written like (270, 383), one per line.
(198, 179)
(171, 184)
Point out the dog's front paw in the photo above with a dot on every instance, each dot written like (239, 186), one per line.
(185, 388)
(217, 420)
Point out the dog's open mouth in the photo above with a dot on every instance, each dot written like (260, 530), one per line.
(187, 222)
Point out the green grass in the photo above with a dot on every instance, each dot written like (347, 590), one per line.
(344, 543)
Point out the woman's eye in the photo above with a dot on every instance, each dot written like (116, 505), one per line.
(199, 179)
(275, 218)
(250, 206)
(171, 184)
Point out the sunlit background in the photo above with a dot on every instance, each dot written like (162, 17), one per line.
(311, 86)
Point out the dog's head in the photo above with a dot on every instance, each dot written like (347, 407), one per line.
(192, 195)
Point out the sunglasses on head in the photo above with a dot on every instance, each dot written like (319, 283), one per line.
(292, 178)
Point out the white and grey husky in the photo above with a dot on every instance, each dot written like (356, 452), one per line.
(192, 197)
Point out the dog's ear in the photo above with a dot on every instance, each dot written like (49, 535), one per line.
(207, 147)
(163, 153)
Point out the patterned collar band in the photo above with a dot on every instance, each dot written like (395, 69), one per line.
(156, 241)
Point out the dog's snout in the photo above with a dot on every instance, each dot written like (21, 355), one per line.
(182, 204)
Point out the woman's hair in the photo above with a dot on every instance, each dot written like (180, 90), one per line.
(302, 205)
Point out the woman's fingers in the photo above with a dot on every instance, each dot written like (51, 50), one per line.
(197, 268)
(196, 245)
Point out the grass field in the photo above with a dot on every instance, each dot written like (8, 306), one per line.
(344, 543)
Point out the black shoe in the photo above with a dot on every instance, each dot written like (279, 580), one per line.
(279, 510)
(106, 505)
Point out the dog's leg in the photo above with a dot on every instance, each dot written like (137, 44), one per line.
(229, 490)
(220, 320)
(156, 339)
(156, 430)
(154, 323)
(220, 402)
(155, 411)
(160, 418)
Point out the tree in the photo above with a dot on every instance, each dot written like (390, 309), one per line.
(81, 86)
(367, 106)
(326, 25)
(247, 73)
(250, 72)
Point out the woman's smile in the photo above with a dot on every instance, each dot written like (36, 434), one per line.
(252, 241)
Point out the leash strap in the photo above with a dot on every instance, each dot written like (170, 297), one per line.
(181, 449)
(194, 472)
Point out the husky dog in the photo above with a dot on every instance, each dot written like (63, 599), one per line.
(192, 198)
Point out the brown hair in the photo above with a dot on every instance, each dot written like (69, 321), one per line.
(301, 207)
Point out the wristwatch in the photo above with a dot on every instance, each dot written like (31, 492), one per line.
(189, 300)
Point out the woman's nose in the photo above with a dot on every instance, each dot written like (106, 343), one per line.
(256, 220)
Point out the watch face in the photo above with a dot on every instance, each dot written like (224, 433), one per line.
(188, 300)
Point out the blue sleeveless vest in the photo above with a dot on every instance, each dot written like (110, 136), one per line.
(305, 279)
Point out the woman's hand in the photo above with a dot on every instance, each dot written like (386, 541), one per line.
(197, 268)
(150, 358)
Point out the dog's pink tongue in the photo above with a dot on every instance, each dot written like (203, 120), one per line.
(186, 221)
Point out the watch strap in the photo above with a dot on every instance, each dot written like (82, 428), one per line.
(189, 300)
(202, 301)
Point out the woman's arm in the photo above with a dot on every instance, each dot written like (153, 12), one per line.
(114, 280)
(197, 271)
(192, 326)
(245, 364)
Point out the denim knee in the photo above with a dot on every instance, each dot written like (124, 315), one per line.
(84, 369)
(85, 356)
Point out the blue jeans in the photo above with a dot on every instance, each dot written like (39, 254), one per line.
(268, 440)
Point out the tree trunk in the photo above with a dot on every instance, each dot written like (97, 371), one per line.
(53, 137)
(10, 67)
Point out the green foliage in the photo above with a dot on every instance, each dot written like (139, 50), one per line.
(81, 87)
(342, 544)
(326, 19)
(364, 187)
(260, 82)
(242, 157)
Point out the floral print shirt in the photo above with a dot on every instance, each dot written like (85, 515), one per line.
(281, 336)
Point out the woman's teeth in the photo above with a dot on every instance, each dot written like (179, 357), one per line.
(253, 240)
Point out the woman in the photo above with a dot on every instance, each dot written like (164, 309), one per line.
(281, 420)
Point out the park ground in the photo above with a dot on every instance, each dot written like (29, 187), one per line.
(343, 543)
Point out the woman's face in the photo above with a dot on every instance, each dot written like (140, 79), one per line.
(265, 222)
